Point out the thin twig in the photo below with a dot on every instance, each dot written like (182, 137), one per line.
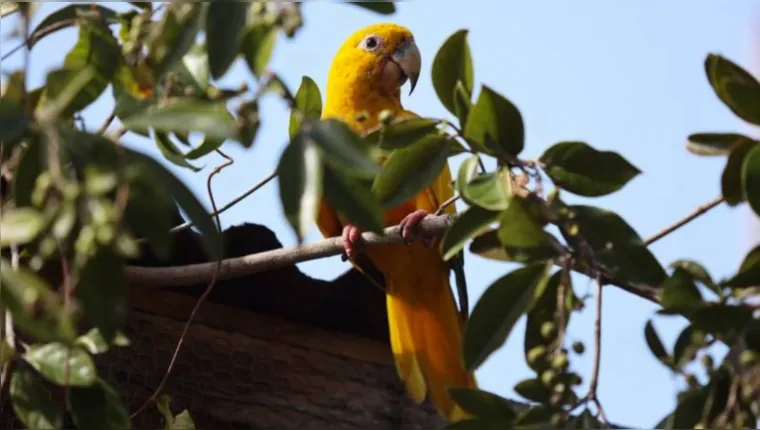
(594, 384)
(562, 291)
(228, 161)
(687, 219)
(103, 128)
(446, 204)
(67, 292)
(231, 203)
(39, 35)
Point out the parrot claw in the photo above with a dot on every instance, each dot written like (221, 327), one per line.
(351, 235)
(410, 226)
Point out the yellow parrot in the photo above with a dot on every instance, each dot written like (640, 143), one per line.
(425, 328)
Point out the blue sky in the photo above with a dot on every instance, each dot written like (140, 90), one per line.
(623, 76)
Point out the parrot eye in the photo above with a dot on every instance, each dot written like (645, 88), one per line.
(370, 43)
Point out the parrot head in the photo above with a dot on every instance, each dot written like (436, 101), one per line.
(373, 63)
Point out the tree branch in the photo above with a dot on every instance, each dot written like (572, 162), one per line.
(432, 226)
(687, 219)
(194, 274)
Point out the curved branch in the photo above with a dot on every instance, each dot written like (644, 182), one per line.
(194, 274)
(432, 225)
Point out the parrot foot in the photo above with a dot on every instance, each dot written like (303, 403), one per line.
(410, 226)
(351, 235)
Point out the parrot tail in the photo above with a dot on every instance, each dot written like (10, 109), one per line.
(426, 339)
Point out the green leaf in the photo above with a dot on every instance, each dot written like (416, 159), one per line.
(499, 308)
(149, 209)
(36, 309)
(352, 198)
(488, 245)
(731, 180)
(462, 103)
(126, 105)
(533, 389)
(225, 22)
(68, 91)
(308, 105)
(495, 124)
(66, 17)
(385, 7)
(469, 224)
(195, 65)
(488, 190)
(538, 414)
(51, 359)
(96, 49)
(521, 235)
(688, 411)
(452, 64)
(721, 320)
(185, 116)
(163, 405)
(183, 421)
(94, 342)
(722, 73)
(299, 174)
(206, 147)
(145, 5)
(744, 99)
(64, 220)
(718, 392)
(257, 47)
(751, 178)
(655, 344)
(410, 170)
(714, 143)
(32, 164)
(102, 291)
(586, 421)
(483, 404)
(343, 148)
(402, 133)
(687, 345)
(14, 123)
(583, 170)
(171, 152)
(748, 274)
(20, 225)
(32, 403)
(467, 171)
(98, 407)
(173, 36)
(698, 272)
(615, 244)
(679, 293)
(456, 148)
(7, 352)
(185, 198)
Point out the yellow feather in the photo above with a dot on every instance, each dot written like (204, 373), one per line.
(425, 328)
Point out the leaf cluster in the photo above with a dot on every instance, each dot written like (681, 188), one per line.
(78, 198)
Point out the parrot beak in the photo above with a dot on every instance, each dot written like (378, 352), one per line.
(407, 56)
